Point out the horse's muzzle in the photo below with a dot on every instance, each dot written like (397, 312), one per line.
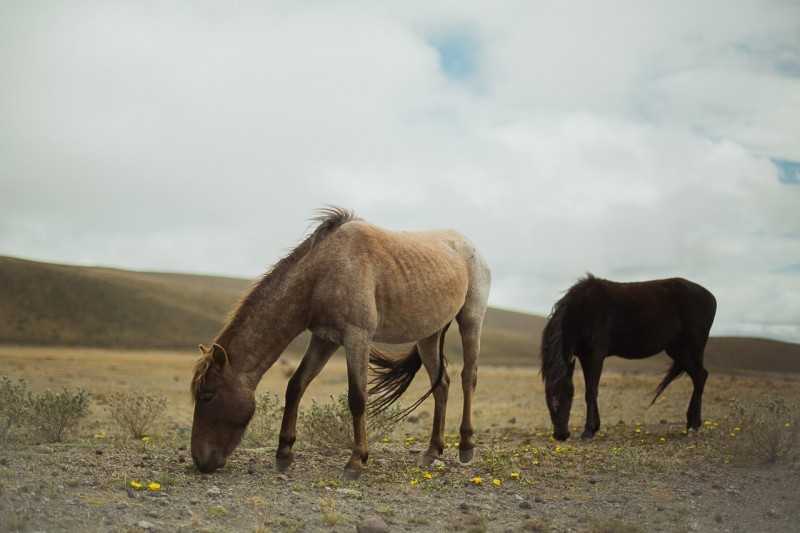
(208, 464)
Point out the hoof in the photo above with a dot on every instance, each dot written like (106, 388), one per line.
(426, 460)
(466, 456)
(350, 475)
(587, 434)
(561, 436)
(692, 433)
(282, 464)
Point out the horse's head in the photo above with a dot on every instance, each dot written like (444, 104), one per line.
(559, 394)
(223, 405)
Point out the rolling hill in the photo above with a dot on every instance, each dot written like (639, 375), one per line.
(56, 305)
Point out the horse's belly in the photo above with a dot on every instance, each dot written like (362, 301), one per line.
(414, 315)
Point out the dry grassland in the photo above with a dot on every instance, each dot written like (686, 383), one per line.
(639, 474)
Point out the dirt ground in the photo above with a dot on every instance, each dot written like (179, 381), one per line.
(641, 473)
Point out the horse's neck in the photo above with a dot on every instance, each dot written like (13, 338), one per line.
(278, 313)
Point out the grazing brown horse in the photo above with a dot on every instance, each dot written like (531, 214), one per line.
(597, 318)
(351, 284)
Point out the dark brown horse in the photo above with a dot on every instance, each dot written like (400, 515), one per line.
(597, 318)
(350, 283)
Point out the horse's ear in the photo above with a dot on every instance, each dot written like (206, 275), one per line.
(219, 356)
(203, 349)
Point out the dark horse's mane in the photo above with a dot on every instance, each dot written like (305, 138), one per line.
(554, 368)
(329, 219)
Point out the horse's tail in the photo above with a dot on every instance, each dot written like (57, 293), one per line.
(394, 374)
(674, 372)
(556, 350)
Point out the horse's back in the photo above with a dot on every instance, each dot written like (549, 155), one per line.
(644, 318)
(413, 283)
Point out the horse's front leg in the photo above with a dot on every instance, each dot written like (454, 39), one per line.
(592, 367)
(317, 354)
(357, 368)
(429, 350)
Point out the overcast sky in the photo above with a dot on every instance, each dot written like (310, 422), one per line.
(635, 140)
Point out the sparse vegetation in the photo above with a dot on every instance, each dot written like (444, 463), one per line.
(137, 414)
(13, 405)
(218, 511)
(765, 431)
(331, 424)
(329, 515)
(519, 480)
(53, 415)
(264, 426)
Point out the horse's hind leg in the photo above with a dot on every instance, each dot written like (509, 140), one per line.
(699, 376)
(317, 354)
(431, 358)
(693, 365)
(471, 342)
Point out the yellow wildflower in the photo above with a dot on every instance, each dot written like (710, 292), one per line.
(787, 425)
(154, 486)
(427, 475)
(496, 482)
(476, 480)
(514, 475)
(385, 439)
(414, 481)
(536, 463)
(145, 439)
(662, 439)
(136, 485)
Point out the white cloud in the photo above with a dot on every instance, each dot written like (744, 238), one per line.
(633, 140)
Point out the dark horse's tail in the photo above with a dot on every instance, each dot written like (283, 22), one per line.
(557, 345)
(393, 375)
(674, 372)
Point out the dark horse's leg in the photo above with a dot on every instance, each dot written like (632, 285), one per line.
(429, 353)
(317, 354)
(691, 361)
(592, 367)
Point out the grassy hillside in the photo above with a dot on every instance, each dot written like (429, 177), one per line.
(49, 305)
(55, 305)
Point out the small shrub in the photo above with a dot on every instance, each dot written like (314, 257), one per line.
(13, 405)
(137, 414)
(264, 426)
(764, 430)
(332, 424)
(53, 415)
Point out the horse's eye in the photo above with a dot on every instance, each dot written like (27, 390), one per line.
(206, 397)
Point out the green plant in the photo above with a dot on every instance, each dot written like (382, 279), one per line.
(264, 425)
(764, 430)
(13, 404)
(136, 413)
(218, 511)
(332, 424)
(53, 415)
